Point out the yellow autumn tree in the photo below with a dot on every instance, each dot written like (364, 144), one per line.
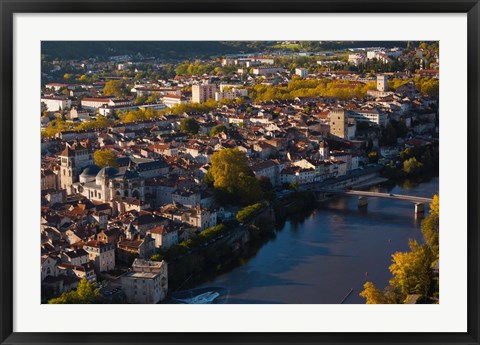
(232, 177)
(431, 226)
(104, 158)
(372, 294)
(412, 270)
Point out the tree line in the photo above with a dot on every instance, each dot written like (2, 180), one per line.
(412, 272)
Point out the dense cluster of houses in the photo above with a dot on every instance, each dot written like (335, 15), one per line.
(97, 219)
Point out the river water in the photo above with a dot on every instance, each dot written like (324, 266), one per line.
(332, 250)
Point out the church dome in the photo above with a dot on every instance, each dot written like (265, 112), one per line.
(91, 170)
(89, 173)
(106, 173)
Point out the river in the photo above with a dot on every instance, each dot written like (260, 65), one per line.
(332, 250)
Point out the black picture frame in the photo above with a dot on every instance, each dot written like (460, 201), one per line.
(10, 7)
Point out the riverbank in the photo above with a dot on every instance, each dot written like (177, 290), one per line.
(238, 244)
(243, 242)
(335, 248)
(222, 253)
(372, 182)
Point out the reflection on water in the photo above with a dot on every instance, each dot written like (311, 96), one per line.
(333, 250)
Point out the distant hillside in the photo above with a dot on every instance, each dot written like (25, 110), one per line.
(65, 50)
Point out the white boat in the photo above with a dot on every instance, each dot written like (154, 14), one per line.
(204, 298)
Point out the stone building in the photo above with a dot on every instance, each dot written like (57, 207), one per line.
(102, 254)
(146, 283)
(108, 183)
(73, 160)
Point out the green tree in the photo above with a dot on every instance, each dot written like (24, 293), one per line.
(153, 97)
(232, 177)
(141, 99)
(293, 185)
(189, 125)
(250, 211)
(85, 293)
(217, 129)
(104, 158)
(389, 135)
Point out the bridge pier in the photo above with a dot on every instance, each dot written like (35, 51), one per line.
(419, 208)
(362, 201)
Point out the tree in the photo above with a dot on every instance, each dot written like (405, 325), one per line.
(372, 294)
(249, 212)
(373, 157)
(153, 97)
(217, 129)
(412, 270)
(141, 99)
(189, 125)
(232, 177)
(293, 185)
(389, 135)
(430, 226)
(265, 184)
(412, 166)
(114, 88)
(56, 126)
(99, 122)
(43, 109)
(104, 158)
(85, 293)
(249, 189)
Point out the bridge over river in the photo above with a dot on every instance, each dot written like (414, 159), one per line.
(363, 195)
(411, 198)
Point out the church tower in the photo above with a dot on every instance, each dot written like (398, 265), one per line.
(72, 160)
(323, 151)
(67, 169)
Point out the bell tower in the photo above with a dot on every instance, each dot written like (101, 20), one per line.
(323, 151)
(67, 169)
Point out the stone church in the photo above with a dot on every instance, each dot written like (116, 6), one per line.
(106, 183)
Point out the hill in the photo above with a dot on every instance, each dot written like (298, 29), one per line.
(65, 50)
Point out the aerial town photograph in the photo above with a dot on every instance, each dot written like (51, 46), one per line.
(239, 172)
